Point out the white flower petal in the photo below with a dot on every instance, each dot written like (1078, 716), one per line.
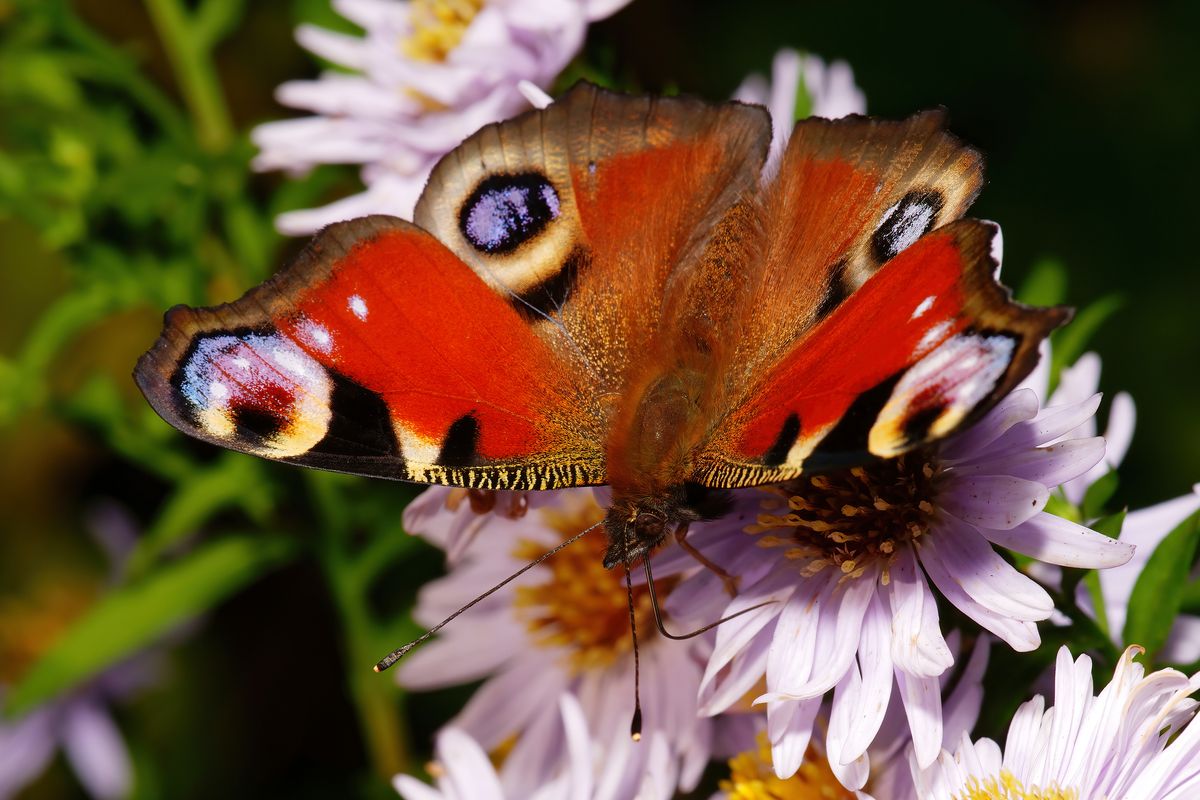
(97, 751)
(984, 575)
(1049, 466)
(923, 706)
(1055, 540)
(868, 705)
(1019, 634)
(468, 769)
(993, 501)
(1019, 406)
(918, 647)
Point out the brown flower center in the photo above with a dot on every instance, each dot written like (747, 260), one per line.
(851, 519)
(581, 605)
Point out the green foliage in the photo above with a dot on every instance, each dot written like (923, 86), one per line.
(136, 614)
(1159, 592)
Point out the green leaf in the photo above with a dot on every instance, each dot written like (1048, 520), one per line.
(1046, 284)
(1158, 593)
(1098, 495)
(1071, 342)
(1111, 525)
(135, 615)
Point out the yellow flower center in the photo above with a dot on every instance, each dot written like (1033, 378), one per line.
(1007, 787)
(582, 606)
(30, 624)
(751, 778)
(852, 519)
(437, 27)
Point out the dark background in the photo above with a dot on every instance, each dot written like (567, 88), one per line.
(1088, 113)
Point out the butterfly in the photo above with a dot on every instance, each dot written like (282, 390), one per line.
(610, 291)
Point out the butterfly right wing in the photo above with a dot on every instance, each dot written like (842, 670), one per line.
(889, 329)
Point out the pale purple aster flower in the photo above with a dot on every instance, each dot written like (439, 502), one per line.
(850, 560)
(1145, 529)
(561, 627)
(1076, 384)
(1132, 741)
(427, 74)
(463, 771)
(79, 723)
(830, 88)
(886, 761)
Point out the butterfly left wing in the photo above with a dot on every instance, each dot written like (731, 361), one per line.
(897, 333)
(379, 352)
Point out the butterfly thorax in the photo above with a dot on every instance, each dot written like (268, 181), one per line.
(648, 458)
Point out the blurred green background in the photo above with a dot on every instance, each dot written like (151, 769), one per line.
(117, 200)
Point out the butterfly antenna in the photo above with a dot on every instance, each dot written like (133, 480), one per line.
(635, 727)
(396, 655)
(658, 612)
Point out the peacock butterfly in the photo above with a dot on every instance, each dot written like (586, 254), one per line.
(609, 290)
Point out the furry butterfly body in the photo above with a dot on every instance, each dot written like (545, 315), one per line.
(609, 291)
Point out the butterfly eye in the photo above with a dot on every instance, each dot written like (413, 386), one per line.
(259, 390)
(505, 211)
(905, 222)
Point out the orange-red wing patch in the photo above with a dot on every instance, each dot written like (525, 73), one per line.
(927, 343)
(378, 352)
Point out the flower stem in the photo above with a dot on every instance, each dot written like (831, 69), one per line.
(376, 698)
(190, 60)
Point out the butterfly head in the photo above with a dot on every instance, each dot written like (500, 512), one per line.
(637, 525)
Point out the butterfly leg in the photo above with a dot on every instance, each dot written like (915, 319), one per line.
(730, 581)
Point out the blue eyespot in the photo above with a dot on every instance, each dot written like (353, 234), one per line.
(505, 211)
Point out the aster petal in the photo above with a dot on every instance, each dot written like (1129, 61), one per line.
(961, 708)
(1050, 424)
(788, 748)
(923, 706)
(468, 769)
(793, 647)
(867, 705)
(1122, 419)
(340, 48)
(839, 629)
(26, 746)
(410, 788)
(1049, 466)
(510, 700)
(1055, 540)
(1039, 379)
(741, 676)
(984, 575)
(1019, 634)
(850, 772)
(785, 82)
(917, 644)
(1078, 382)
(1019, 406)
(460, 656)
(993, 501)
(737, 634)
(97, 751)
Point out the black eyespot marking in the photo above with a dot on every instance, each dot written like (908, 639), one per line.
(460, 447)
(361, 424)
(835, 292)
(549, 296)
(916, 427)
(255, 423)
(846, 444)
(910, 219)
(505, 211)
(788, 434)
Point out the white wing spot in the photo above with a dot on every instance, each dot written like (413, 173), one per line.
(218, 390)
(924, 306)
(241, 362)
(358, 306)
